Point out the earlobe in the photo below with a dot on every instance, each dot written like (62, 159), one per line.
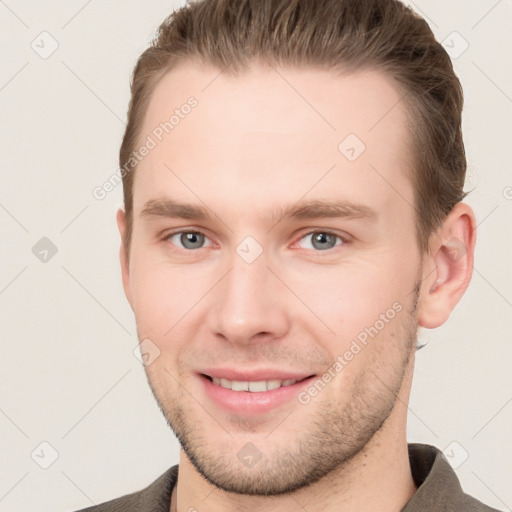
(449, 268)
(123, 256)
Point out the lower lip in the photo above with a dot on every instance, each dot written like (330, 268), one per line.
(250, 403)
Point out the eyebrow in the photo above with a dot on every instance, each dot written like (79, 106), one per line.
(174, 209)
(317, 209)
(301, 210)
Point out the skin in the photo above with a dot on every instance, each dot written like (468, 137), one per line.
(251, 147)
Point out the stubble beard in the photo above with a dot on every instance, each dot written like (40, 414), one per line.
(329, 440)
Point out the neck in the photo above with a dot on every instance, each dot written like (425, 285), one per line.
(377, 478)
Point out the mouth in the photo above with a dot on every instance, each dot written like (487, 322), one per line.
(255, 386)
(255, 396)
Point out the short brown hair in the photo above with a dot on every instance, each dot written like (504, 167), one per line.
(384, 35)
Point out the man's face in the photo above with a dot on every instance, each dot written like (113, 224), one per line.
(249, 295)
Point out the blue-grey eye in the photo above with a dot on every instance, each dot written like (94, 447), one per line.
(320, 240)
(188, 239)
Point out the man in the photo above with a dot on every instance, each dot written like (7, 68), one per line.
(293, 174)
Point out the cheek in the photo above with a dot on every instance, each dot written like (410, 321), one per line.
(352, 297)
(164, 295)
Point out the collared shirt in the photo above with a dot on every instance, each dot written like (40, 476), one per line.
(438, 489)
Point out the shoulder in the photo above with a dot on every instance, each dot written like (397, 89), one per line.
(438, 487)
(153, 498)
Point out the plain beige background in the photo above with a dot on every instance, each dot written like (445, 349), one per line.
(69, 376)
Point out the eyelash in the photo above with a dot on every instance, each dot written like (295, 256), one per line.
(344, 240)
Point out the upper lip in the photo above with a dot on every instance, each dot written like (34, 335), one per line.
(254, 375)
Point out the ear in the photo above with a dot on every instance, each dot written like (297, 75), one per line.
(123, 256)
(448, 266)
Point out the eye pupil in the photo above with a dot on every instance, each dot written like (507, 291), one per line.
(323, 241)
(192, 240)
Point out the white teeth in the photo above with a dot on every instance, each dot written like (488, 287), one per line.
(238, 385)
(258, 386)
(273, 384)
(253, 386)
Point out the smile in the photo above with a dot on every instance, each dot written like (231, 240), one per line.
(252, 386)
(253, 397)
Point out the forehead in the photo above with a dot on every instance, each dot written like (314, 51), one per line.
(281, 100)
(275, 133)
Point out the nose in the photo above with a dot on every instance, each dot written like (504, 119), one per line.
(249, 304)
